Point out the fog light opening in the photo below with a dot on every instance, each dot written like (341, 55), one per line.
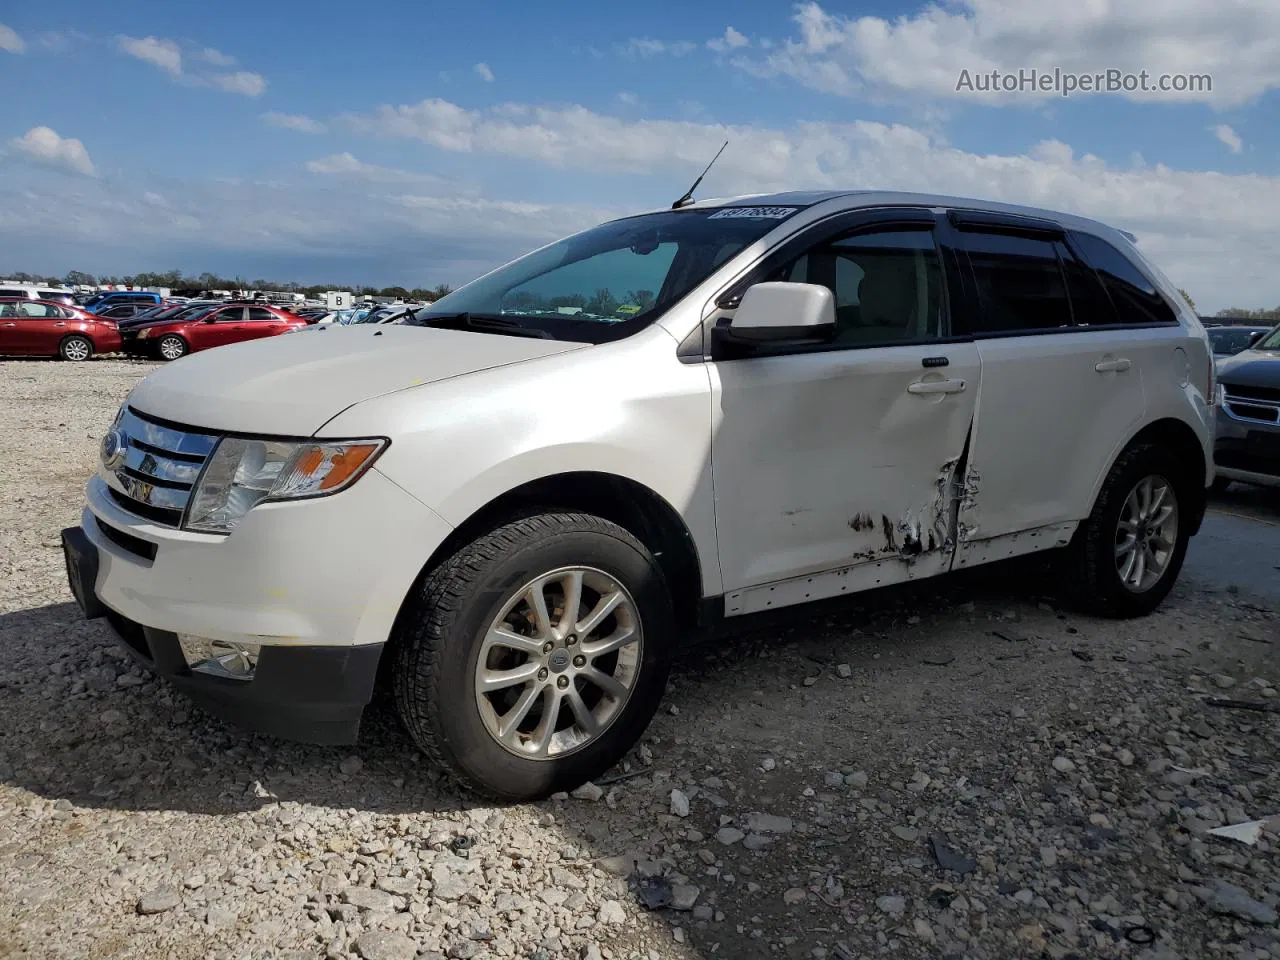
(220, 658)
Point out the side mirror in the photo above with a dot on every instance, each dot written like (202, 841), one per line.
(779, 314)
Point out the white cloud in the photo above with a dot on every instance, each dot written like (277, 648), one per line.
(294, 121)
(646, 47)
(217, 57)
(1210, 230)
(9, 40)
(1237, 44)
(1229, 137)
(164, 54)
(484, 72)
(627, 97)
(732, 40)
(348, 166)
(242, 81)
(44, 146)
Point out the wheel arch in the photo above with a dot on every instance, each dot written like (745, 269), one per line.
(641, 511)
(77, 335)
(1178, 436)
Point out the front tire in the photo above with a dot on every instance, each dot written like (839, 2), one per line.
(1220, 485)
(171, 347)
(1124, 559)
(76, 348)
(500, 680)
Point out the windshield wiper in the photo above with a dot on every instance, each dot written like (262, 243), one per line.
(492, 322)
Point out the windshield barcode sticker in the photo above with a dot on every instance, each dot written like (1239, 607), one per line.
(755, 213)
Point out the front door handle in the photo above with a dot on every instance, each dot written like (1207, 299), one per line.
(1106, 366)
(59, 324)
(936, 386)
(10, 324)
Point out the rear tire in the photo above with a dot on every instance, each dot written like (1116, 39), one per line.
(1115, 551)
(472, 625)
(171, 347)
(75, 348)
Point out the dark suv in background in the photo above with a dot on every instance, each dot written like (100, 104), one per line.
(1248, 440)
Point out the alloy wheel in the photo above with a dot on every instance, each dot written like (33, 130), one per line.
(558, 663)
(171, 348)
(1147, 533)
(75, 350)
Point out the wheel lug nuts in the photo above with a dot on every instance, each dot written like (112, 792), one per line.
(571, 640)
(562, 682)
(548, 647)
(579, 661)
(542, 674)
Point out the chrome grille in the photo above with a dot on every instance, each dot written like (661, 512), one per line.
(154, 467)
(1251, 403)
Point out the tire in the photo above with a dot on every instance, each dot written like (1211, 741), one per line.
(1091, 571)
(1220, 485)
(75, 348)
(171, 347)
(441, 636)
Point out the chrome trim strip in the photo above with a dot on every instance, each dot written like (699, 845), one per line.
(165, 438)
(162, 468)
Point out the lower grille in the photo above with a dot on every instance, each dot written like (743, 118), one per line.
(144, 549)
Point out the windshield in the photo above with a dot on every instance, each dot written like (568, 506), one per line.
(1270, 342)
(612, 280)
(1231, 340)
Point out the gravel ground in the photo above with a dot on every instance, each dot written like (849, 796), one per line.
(964, 772)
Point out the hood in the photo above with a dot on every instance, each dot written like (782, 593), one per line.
(1251, 368)
(291, 385)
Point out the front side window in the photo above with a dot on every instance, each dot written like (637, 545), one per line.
(1136, 298)
(887, 285)
(1021, 287)
(609, 281)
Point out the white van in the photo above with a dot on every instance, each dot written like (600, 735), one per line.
(38, 292)
(516, 514)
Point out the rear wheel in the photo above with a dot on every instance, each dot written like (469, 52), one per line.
(534, 658)
(1125, 557)
(75, 348)
(171, 347)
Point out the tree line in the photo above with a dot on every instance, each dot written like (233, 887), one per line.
(176, 280)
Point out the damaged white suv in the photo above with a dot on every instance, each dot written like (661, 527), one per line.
(514, 506)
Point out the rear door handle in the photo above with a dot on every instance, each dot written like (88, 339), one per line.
(936, 386)
(1106, 366)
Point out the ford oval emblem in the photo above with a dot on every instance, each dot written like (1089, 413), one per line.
(114, 446)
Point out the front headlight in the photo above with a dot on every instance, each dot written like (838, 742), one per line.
(243, 473)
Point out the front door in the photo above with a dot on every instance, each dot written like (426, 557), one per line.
(833, 467)
(227, 327)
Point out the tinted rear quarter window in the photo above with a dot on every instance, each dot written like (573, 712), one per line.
(1020, 284)
(1136, 299)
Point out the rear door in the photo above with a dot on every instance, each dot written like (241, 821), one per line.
(1062, 386)
(262, 323)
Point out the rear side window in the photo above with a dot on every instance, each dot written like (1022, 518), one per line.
(1136, 299)
(1020, 283)
(257, 313)
(1090, 305)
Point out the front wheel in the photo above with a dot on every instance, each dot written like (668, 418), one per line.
(1220, 485)
(1124, 559)
(534, 658)
(171, 347)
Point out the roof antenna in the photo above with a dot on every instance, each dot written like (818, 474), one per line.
(688, 197)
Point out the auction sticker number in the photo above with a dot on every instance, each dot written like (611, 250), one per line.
(755, 213)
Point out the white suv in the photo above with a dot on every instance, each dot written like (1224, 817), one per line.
(515, 505)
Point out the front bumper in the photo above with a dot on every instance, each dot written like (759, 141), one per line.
(1247, 450)
(316, 584)
(306, 693)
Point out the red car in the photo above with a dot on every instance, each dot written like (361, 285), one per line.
(230, 323)
(43, 328)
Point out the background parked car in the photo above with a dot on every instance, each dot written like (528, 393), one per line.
(1247, 446)
(1227, 341)
(110, 298)
(43, 328)
(126, 311)
(169, 339)
(28, 292)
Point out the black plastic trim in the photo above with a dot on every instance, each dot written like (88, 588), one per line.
(143, 549)
(984, 220)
